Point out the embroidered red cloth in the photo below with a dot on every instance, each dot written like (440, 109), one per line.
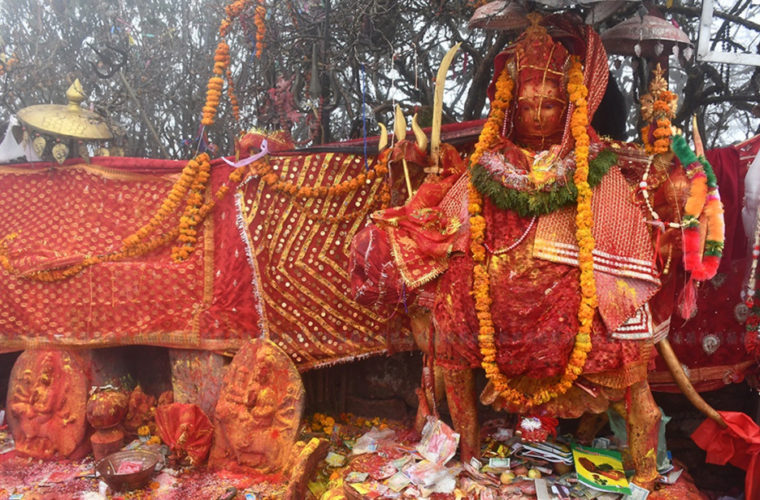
(62, 214)
(535, 309)
(300, 263)
(542, 283)
(711, 344)
(420, 235)
(274, 269)
(624, 261)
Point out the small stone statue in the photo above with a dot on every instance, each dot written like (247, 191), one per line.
(47, 396)
(259, 411)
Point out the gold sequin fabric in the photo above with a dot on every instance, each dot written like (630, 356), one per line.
(61, 215)
(301, 263)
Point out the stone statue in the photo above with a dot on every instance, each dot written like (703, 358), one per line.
(47, 397)
(537, 263)
(259, 410)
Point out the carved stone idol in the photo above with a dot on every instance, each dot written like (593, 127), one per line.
(259, 410)
(47, 396)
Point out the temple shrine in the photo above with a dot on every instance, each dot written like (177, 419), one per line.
(513, 307)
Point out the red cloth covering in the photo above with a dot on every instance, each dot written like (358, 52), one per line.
(730, 172)
(276, 269)
(738, 444)
(420, 235)
(375, 278)
(300, 263)
(64, 213)
(529, 295)
(711, 344)
(186, 430)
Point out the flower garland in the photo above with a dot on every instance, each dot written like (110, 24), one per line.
(481, 285)
(233, 98)
(261, 28)
(539, 202)
(703, 198)
(190, 218)
(752, 323)
(221, 66)
(263, 169)
(214, 91)
(192, 187)
(658, 107)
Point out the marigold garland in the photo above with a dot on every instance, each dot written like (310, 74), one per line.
(192, 187)
(221, 66)
(259, 17)
(662, 110)
(263, 169)
(233, 98)
(584, 222)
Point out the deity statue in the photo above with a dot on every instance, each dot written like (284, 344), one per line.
(537, 263)
(259, 410)
(47, 397)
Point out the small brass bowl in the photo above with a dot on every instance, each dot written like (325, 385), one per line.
(108, 468)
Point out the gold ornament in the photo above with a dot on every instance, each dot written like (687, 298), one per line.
(38, 145)
(60, 152)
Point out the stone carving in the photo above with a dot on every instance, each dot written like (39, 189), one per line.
(259, 410)
(47, 395)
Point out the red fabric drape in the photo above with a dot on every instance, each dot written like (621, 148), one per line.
(63, 213)
(730, 172)
(186, 430)
(738, 444)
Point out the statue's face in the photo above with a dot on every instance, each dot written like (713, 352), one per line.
(540, 109)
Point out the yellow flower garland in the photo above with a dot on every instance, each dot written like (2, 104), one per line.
(192, 187)
(222, 61)
(584, 222)
(663, 109)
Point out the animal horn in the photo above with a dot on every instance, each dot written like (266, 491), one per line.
(421, 138)
(383, 142)
(440, 84)
(699, 146)
(399, 125)
(683, 382)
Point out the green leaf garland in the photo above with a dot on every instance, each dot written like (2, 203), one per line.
(532, 203)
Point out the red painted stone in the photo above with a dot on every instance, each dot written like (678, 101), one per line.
(46, 402)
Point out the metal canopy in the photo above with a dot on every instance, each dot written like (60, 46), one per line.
(647, 32)
(500, 15)
(67, 120)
